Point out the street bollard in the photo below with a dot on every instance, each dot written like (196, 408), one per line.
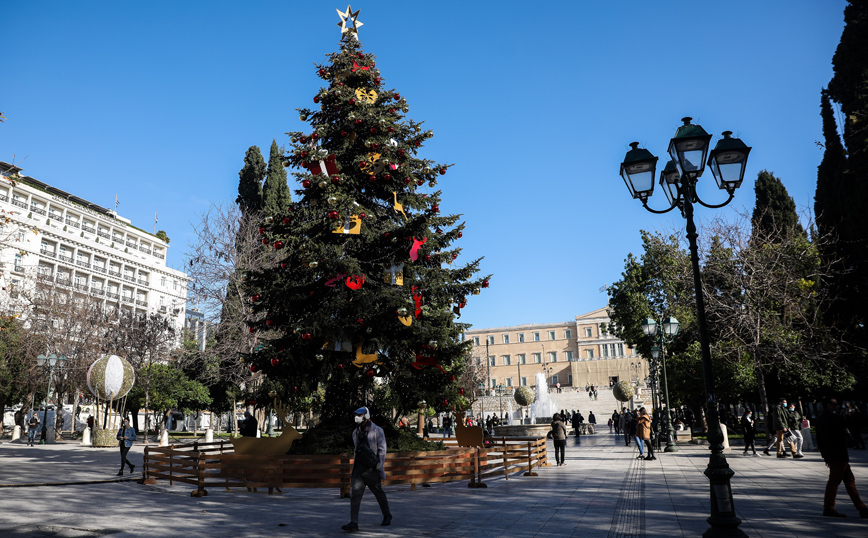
(725, 437)
(16, 433)
(164, 437)
(209, 435)
(85, 437)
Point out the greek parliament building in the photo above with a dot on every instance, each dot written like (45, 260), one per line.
(81, 246)
(573, 353)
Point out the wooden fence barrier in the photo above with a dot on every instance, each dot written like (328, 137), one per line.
(209, 465)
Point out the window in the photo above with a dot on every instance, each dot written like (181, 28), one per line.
(568, 355)
(613, 350)
(570, 379)
(589, 353)
(589, 333)
(555, 379)
(568, 334)
(476, 340)
(491, 340)
(553, 356)
(521, 359)
(505, 338)
(620, 350)
(551, 335)
(536, 337)
(523, 381)
(163, 281)
(491, 361)
(18, 262)
(606, 350)
(175, 285)
(492, 382)
(508, 381)
(506, 360)
(521, 337)
(537, 358)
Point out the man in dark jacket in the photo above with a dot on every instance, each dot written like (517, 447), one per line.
(832, 442)
(781, 419)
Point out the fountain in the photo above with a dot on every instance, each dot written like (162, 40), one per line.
(544, 406)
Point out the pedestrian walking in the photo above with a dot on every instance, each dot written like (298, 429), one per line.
(747, 422)
(369, 467)
(33, 427)
(559, 437)
(447, 426)
(616, 421)
(794, 423)
(125, 437)
(628, 427)
(832, 442)
(643, 435)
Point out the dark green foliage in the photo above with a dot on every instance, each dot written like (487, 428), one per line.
(335, 437)
(161, 235)
(775, 210)
(170, 388)
(304, 307)
(13, 362)
(250, 181)
(275, 194)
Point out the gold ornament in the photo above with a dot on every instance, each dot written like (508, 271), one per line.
(319, 356)
(367, 97)
(313, 265)
(332, 200)
(323, 184)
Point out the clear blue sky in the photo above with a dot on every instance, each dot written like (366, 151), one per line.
(535, 102)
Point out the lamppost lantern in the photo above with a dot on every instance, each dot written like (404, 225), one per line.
(649, 327)
(728, 161)
(655, 352)
(671, 326)
(669, 179)
(638, 171)
(688, 149)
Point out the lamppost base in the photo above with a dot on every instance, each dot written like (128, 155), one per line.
(670, 447)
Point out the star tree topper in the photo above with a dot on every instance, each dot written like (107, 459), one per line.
(353, 18)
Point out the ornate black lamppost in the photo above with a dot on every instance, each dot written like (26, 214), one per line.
(688, 150)
(52, 360)
(658, 352)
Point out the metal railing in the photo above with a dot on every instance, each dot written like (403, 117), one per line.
(131, 244)
(73, 223)
(67, 259)
(19, 203)
(129, 278)
(99, 269)
(114, 273)
(160, 256)
(55, 216)
(111, 295)
(4, 198)
(38, 210)
(127, 299)
(83, 264)
(88, 229)
(47, 252)
(140, 302)
(97, 291)
(143, 281)
(103, 234)
(144, 249)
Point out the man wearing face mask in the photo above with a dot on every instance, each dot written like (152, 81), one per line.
(782, 418)
(794, 423)
(369, 466)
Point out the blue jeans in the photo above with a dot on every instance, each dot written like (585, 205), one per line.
(33, 433)
(641, 445)
(371, 479)
(447, 432)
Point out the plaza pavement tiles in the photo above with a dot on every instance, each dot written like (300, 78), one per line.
(603, 491)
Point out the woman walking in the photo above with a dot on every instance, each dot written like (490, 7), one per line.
(747, 422)
(559, 436)
(643, 434)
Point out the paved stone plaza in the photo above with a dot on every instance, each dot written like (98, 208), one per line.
(603, 491)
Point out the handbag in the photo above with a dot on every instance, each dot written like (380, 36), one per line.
(789, 437)
(365, 457)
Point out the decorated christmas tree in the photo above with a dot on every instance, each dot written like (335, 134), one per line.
(365, 298)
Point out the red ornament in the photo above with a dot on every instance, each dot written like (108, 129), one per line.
(484, 283)
(336, 179)
(305, 183)
(445, 403)
(407, 180)
(454, 255)
(275, 361)
(439, 231)
(321, 72)
(461, 390)
(363, 164)
(375, 146)
(333, 214)
(397, 97)
(372, 178)
(303, 140)
(462, 304)
(362, 216)
(283, 265)
(340, 366)
(460, 235)
(269, 322)
(427, 257)
(417, 143)
(264, 240)
(387, 177)
(255, 298)
(261, 230)
(369, 373)
(442, 171)
(278, 245)
(295, 388)
(360, 321)
(361, 55)
(391, 129)
(286, 220)
(373, 130)
(344, 133)
(253, 368)
(377, 80)
(352, 100)
(401, 152)
(304, 154)
(435, 208)
(316, 99)
(391, 111)
(386, 234)
(314, 136)
(359, 121)
(340, 83)
(305, 336)
(252, 329)
(420, 182)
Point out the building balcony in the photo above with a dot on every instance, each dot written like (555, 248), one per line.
(97, 291)
(19, 203)
(38, 210)
(55, 216)
(104, 234)
(82, 264)
(88, 229)
(114, 273)
(127, 299)
(131, 244)
(129, 278)
(140, 302)
(118, 239)
(66, 259)
(78, 286)
(145, 250)
(73, 223)
(18, 268)
(159, 256)
(111, 295)
(62, 281)
(47, 252)
(143, 281)
(99, 269)
(4, 198)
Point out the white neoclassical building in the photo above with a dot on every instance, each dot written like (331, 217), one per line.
(48, 232)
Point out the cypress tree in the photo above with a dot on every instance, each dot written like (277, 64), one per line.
(827, 199)
(275, 193)
(775, 210)
(250, 181)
